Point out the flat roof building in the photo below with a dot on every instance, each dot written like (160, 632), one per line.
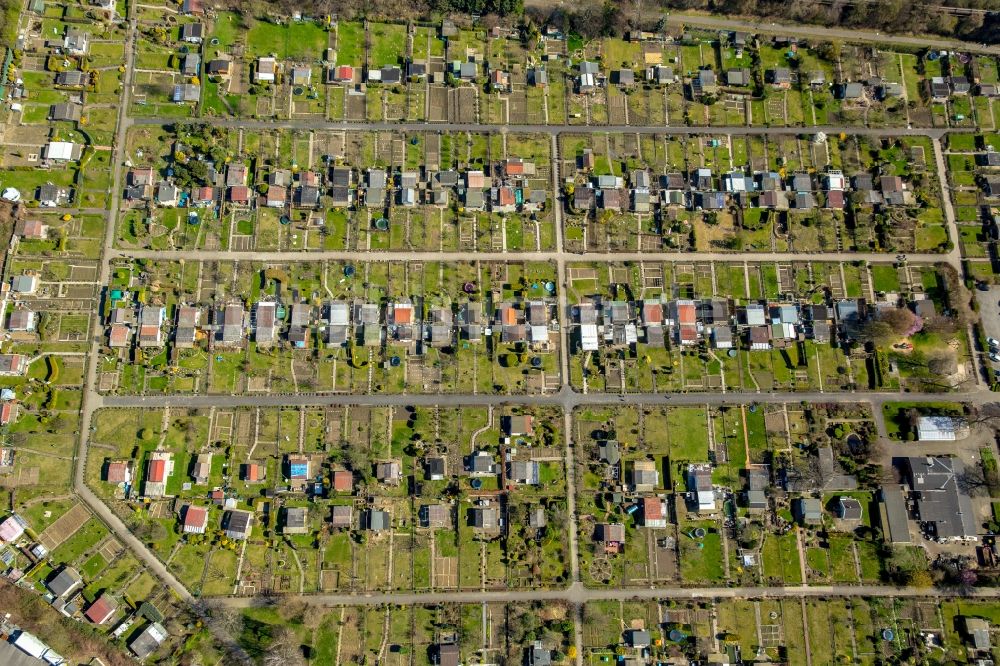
(65, 582)
(238, 524)
(146, 643)
(941, 502)
(893, 516)
(295, 520)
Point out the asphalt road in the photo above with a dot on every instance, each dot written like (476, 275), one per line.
(552, 255)
(577, 594)
(91, 399)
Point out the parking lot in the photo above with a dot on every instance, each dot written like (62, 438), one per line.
(989, 312)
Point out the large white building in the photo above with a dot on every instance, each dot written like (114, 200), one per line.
(31, 645)
(588, 337)
(62, 151)
(941, 429)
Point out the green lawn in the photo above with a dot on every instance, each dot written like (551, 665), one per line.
(818, 562)
(217, 104)
(225, 28)
(688, 434)
(756, 430)
(93, 566)
(871, 563)
(27, 181)
(781, 559)
(770, 276)
(296, 41)
(931, 237)
(885, 278)
(350, 44)
(842, 559)
(963, 142)
(388, 43)
(85, 538)
(701, 559)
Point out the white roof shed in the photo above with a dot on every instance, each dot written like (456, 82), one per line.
(941, 429)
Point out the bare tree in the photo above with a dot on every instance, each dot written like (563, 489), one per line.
(959, 297)
(226, 620)
(972, 479)
(940, 324)
(943, 363)
(292, 609)
(889, 325)
(284, 649)
(988, 413)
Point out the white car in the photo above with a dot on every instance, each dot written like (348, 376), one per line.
(993, 342)
(995, 357)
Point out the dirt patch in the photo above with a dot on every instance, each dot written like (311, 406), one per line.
(9, 214)
(438, 104)
(445, 572)
(774, 422)
(64, 527)
(356, 107)
(23, 476)
(237, 85)
(161, 509)
(111, 549)
(108, 382)
(329, 580)
(79, 273)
